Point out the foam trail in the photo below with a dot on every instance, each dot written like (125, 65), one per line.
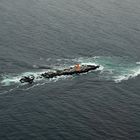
(15, 79)
(132, 74)
(111, 68)
(9, 80)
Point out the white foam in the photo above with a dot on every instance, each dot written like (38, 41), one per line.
(91, 63)
(138, 63)
(8, 81)
(88, 63)
(35, 66)
(132, 74)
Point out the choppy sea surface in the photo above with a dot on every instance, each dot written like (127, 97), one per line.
(41, 35)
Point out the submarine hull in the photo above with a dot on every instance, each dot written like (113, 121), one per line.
(69, 71)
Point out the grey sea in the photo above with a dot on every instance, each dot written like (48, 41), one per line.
(42, 35)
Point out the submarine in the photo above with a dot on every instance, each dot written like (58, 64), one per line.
(77, 69)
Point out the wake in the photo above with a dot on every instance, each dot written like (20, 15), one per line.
(111, 69)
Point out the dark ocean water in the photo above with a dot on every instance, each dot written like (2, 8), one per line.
(100, 105)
